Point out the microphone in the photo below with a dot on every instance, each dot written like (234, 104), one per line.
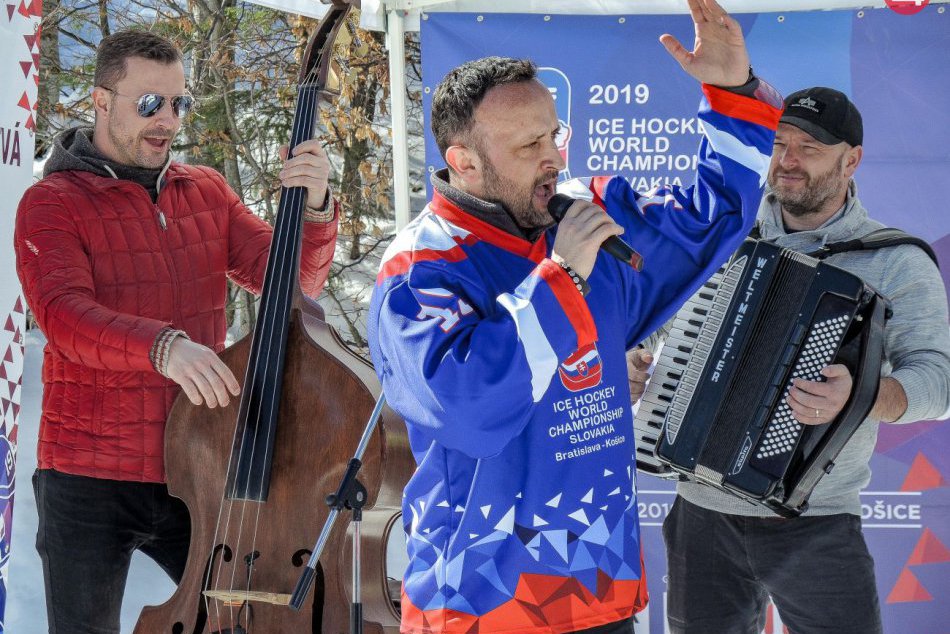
(613, 245)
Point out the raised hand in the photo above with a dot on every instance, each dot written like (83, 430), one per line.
(719, 55)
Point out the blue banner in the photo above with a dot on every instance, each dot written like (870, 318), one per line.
(627, 108)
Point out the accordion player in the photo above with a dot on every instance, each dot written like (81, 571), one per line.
(715, 411)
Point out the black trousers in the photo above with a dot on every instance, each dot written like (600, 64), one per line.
(723, 568)
(618, 627)
(88, 530)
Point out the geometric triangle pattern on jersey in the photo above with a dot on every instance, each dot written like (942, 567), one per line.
(539, 602)
(468, 579)
(922, 475)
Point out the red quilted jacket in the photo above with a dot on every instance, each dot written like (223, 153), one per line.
(104, 269)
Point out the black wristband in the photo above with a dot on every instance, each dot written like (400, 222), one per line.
(579, 282)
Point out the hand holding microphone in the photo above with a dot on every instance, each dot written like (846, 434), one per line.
(585, 229)
(582, 229)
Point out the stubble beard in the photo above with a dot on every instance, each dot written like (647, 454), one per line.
(520, 204)
(133, 150)
(811, 198)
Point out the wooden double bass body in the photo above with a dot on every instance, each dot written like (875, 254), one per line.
(255, 474)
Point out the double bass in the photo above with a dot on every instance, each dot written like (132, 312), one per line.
(254, 474)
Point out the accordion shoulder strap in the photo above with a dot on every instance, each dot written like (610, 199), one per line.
(882, 238)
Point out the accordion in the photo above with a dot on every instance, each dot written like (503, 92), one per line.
(715, 410)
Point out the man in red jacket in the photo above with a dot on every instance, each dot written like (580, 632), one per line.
(124, 257)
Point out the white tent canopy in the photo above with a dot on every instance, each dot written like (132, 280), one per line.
(395, 17)
(374, 12)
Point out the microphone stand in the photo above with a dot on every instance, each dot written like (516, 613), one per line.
(350, 494)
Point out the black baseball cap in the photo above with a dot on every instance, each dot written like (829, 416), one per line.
(826, 114)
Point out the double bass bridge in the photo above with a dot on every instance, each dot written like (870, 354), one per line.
(237, 598)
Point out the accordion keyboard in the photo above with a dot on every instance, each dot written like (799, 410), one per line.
(677, 372)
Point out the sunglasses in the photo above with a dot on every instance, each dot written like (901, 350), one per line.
(150, 103)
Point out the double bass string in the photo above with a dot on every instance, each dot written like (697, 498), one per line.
(283, 244)
(286, 241)
(286, 246)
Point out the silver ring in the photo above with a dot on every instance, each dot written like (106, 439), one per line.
(817, 413)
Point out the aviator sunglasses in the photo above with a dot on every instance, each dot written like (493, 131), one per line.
(150, 103)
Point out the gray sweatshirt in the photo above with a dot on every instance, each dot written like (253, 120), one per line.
(916, 349)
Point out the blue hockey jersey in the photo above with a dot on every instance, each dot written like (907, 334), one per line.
(522, 515)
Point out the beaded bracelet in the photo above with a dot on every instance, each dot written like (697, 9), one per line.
(582, 286)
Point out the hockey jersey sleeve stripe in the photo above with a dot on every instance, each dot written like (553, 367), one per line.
(577, 188)
(727, 145)
(400, 263)
(590, 188)
(542, 360)
(598, 185)
(571, 301)
(741, 107)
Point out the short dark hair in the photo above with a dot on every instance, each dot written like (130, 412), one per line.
(464, 87)
(116, 48)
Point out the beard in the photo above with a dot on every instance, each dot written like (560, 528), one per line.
(518, 201)
(134, 149)
(812, 196)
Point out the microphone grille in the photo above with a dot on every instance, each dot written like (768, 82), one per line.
(558, 206)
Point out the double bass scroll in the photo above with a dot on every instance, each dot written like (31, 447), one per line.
(253, 475)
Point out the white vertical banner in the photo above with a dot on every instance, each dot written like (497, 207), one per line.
(19, 79)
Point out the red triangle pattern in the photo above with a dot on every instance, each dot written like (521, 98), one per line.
(30, 124)
(25, 102)
(539, 601)
(36, 59)
(908, 590)
(923, 475)
(36, 8)
(11, 375)
(30, 41)
(929, 550)
(26, 66)
(10, 9)
(23, 10)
